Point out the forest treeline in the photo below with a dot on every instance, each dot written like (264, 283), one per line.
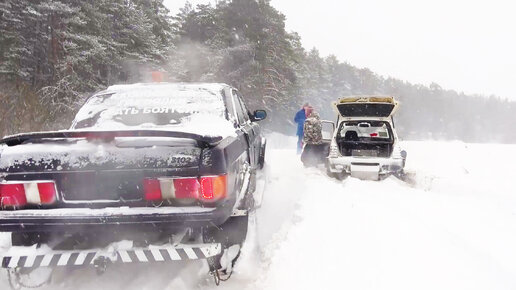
(56, 53)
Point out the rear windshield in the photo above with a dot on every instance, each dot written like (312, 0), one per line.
(365, 110)
(148, 108)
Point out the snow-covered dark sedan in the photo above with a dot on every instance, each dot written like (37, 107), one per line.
(147, 172)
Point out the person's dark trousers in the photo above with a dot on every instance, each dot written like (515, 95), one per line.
(299, 144)
(313, 155)
(300, 118)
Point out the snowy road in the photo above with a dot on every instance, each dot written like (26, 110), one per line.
(455, 228)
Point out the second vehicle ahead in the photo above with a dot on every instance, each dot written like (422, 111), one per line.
(364, 143)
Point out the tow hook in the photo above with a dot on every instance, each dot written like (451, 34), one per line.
(101, 264)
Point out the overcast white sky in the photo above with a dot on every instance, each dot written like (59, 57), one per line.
(463, 45)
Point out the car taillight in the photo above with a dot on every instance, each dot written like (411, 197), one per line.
(151, 188)
(213, 188)
(186, 188)
(12, 195)
(47, 192)
(205, 189)
(20, 194)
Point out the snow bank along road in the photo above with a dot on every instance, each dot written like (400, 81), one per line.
(455, 228)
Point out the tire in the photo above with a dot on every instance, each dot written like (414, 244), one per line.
(400, 174)
(261, 158)
(232, 232)
(336, 175)
(26, 239)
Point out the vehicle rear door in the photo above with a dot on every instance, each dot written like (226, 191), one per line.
(373, 107)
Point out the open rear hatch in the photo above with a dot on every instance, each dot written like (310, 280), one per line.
(366, 106)
(366, 131)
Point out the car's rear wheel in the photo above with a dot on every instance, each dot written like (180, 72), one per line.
(230, 235)
(28, 239)
(232, 232)
(261, 158)
(336, 175)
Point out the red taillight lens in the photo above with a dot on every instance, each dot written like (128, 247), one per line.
(47, 192)
(206, 189)
(12, 195)
(213, 188)
(33, 192)
(186, 188)
(168, 188)
(152, 189)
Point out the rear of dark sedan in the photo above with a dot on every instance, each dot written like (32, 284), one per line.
(90, 183)
(129, 168)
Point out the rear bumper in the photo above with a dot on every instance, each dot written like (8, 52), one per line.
(119, 218)
(346, 164)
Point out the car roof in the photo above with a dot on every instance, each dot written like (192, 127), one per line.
(213, 87)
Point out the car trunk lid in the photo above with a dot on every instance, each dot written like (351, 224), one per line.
(101, 167)
(366, 106)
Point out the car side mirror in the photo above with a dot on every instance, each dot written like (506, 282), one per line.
(259, 115)
(403, 154)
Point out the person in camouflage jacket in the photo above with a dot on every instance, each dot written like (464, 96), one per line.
(313, 130)
(314, 150)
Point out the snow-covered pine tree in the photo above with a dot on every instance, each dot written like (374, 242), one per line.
(67, 49)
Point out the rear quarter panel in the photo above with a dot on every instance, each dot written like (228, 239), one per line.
(229, 157)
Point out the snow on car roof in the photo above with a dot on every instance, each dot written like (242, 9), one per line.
(213, 87)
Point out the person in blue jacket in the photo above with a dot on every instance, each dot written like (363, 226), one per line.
(300, 120)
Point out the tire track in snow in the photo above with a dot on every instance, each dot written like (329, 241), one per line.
(385, 242)
(273, 221)
(317, 232)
